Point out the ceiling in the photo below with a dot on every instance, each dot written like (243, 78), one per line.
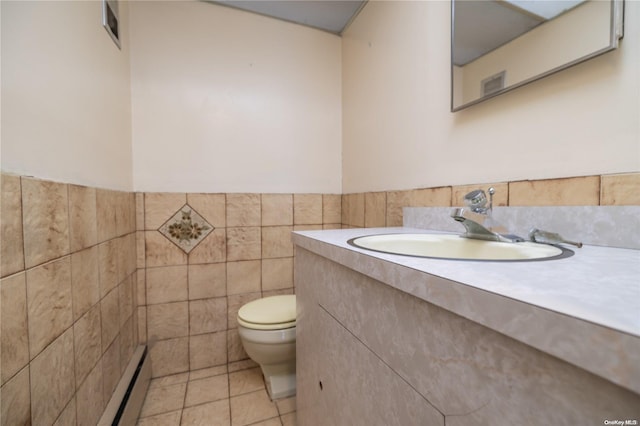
(484, 25)
(328, 15)
(480, 25)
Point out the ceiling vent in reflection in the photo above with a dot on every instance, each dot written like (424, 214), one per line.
(493, 84)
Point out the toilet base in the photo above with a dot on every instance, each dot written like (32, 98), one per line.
(280, 379)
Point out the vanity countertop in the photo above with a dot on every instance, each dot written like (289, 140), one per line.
(584, 309)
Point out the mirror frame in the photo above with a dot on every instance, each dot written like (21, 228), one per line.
(615, 35)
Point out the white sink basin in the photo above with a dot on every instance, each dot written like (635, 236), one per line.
(445, 246)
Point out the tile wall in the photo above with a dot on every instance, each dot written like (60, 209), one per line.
(87, 273)
(378, 209)
(189, 291)
(67, 307)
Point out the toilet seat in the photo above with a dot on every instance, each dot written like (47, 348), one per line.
(269, 313)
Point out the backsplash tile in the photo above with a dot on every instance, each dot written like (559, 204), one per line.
(353, 210)
(168, 320)
(207, 350)
(620, 190)
(207, 315)
(578, 191)
(396, 200)
(307, 209)
(375, 208)
(439, 196)
(243, 277)
(186, 228)
(110, 314)
(244, 243)
(167, 284)
(169, 356)
(126, 299)
(81, 252)
(212, 249)
(331, 208)
(277, 274)
(14, 330)
(277, 209)
(124, 212)
(106, 222)
(126, 256)
(49, 303)
(52, 380)
(159, 251)
(90, 398)
(207, 281)
(243, 210)
(159, 206)
(11, 255)
(111, 368)
(45, 211)
(15, 400)
(85, 282)
(139, 207)
(108, 266)
(210, 206)
(276, 241)
(127, 342)
(87, 332)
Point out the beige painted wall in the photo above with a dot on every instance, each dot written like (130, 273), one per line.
(229, 101)
(65, 94)
(233, 102)
(398, 132)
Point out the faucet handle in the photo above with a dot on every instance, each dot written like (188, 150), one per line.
(476, 200)
(538, 236)
(492, 191)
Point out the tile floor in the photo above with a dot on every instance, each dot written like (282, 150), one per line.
(214, 397)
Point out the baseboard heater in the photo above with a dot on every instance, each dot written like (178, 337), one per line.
(125, 403)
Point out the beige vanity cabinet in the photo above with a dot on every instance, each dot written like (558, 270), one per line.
(369, 354)
(354, 387)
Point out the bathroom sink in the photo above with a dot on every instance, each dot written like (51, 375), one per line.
(447, 246)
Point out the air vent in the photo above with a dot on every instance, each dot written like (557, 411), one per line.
(110, 20)
(493, 84)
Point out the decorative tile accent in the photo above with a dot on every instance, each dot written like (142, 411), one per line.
(186, 228)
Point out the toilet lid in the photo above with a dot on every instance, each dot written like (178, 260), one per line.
(271, 312)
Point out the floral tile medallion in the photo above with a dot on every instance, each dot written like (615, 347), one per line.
(186, 228)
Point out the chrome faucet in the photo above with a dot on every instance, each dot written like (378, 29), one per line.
(477, 218)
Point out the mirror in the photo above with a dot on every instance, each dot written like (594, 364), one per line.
(499, 45)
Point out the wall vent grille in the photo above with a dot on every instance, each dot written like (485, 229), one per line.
(493, 84)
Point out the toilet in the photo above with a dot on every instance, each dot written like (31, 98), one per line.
(267, 330)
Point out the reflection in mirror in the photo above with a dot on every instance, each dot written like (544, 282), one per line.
(498, 45)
